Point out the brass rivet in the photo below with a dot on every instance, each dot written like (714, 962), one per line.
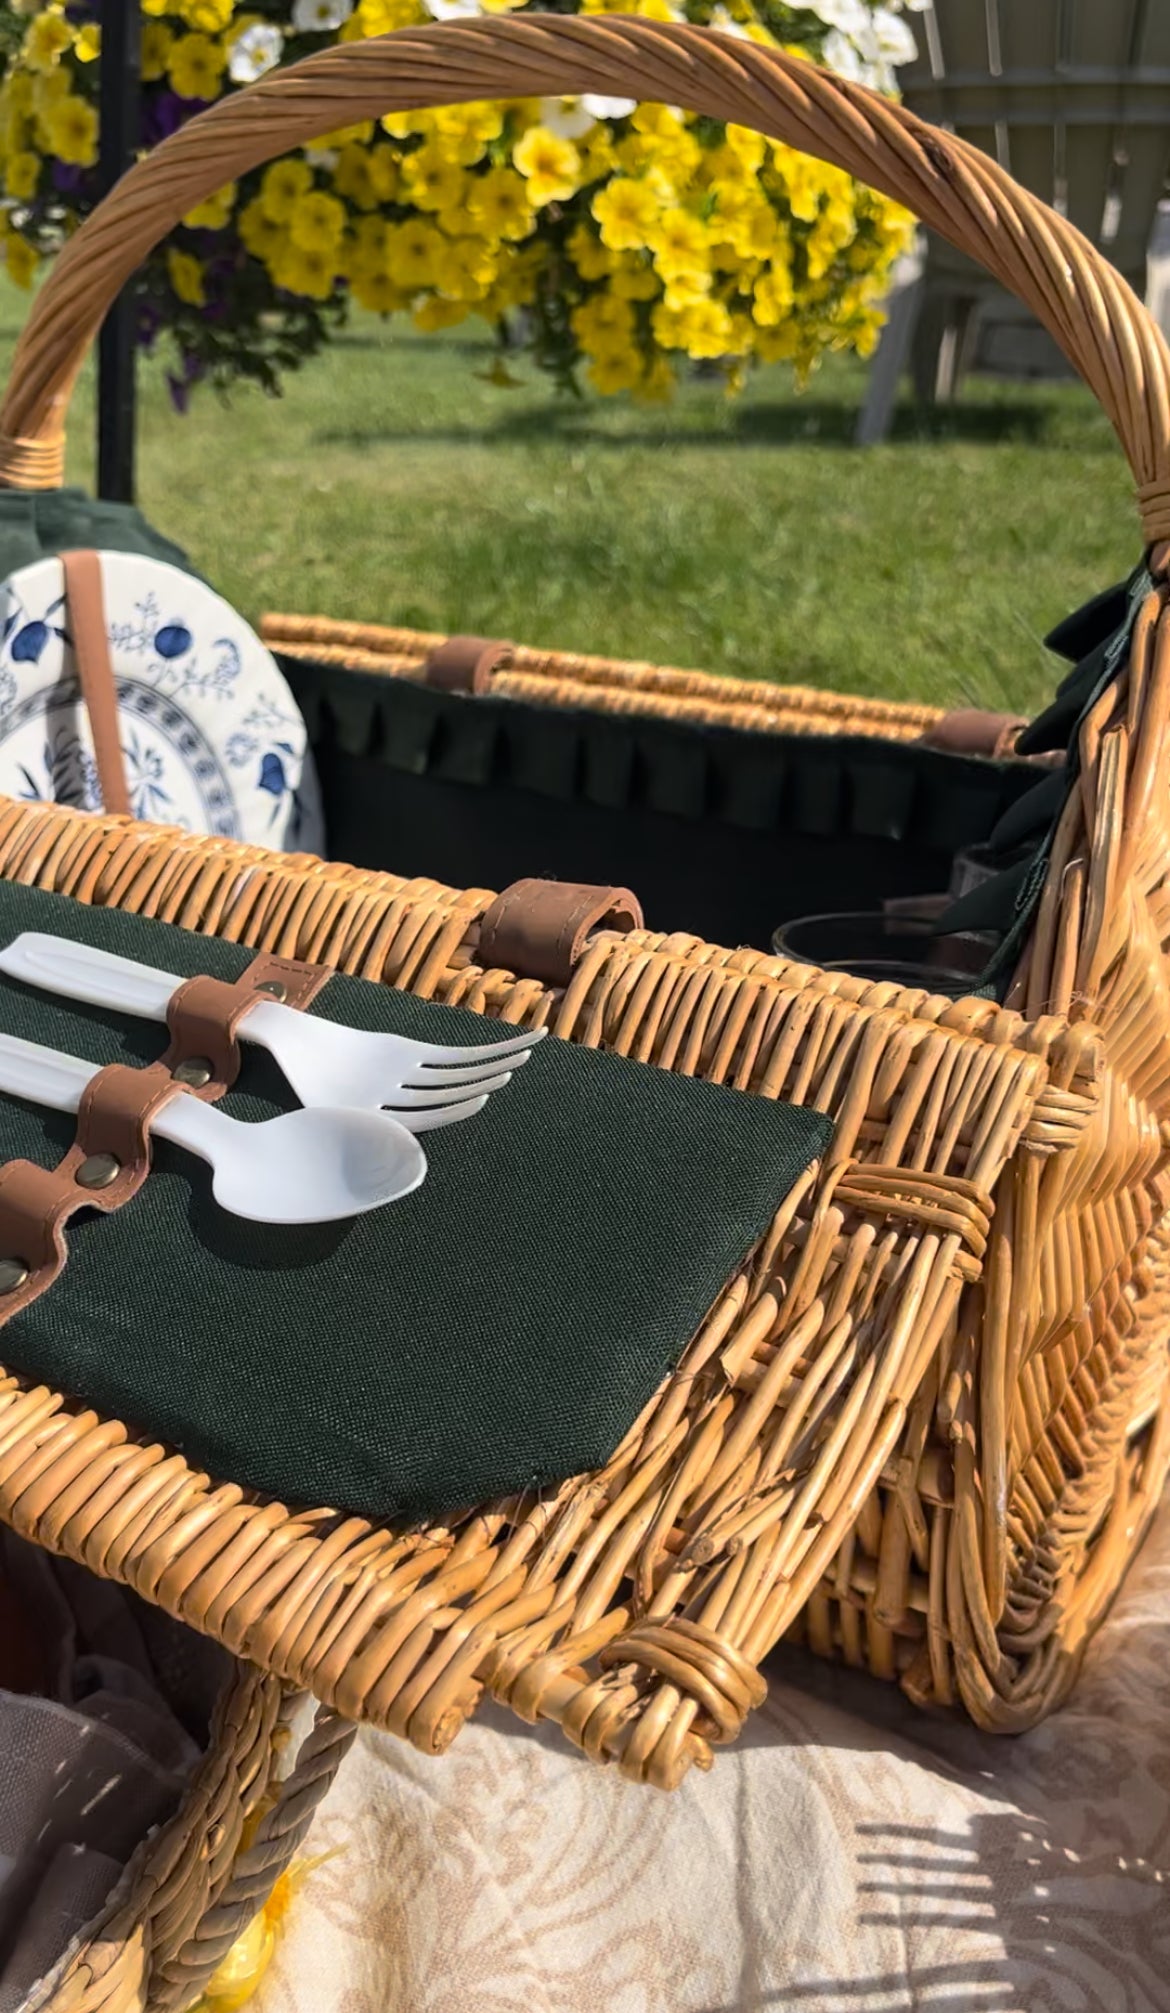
(274, 988)
(99, 1170)
(196, 1073)
(13, 1273)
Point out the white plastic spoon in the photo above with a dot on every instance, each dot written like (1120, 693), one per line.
(302, 1167)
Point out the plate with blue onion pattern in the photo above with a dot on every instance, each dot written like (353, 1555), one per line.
(212, 739)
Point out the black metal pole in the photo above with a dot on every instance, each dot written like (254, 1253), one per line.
(120, 111)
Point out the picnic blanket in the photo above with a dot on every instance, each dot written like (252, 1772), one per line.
(851, 1855)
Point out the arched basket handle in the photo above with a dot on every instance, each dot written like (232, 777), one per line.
(1093, 315)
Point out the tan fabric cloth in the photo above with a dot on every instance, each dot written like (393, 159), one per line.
(850, 1856)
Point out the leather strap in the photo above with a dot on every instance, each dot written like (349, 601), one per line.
(970, 732)
(115, 1116)
(465, 663)
(539, 929)
(86, 609)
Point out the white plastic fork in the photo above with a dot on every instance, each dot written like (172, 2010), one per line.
(300, 1167)
(424, 1084)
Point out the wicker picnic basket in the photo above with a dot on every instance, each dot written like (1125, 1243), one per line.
(925, 1426)
(193, 1887)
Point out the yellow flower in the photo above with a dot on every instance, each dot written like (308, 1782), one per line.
(210, 16)
(592, 259)
(463, 269)
(707, 330)
(283, 186)
(748, 146)
(352, 178)
(658, 383)
(679, 244)
(411, 250)
(634, 279)
(20, 260)
(439, 314)
(186, 277)
(156, 49)
(385, 172)
(195, 65)
(300, 269)
(743, 219)
(317, 223)
(431, 181)
(46, 41)
(466, 131)
(88, 46)
(627, 212)
(497, 204)
(259, 231)
(342, 136)
(71, 127)
(404, 125)
(382, 17)
(21, 175)
(603, 325)
(597, 155)
(610, 374)
(377, 292)
(550, 165)
(213, 212)
(772, 299)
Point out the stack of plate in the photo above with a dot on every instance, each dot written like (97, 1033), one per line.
(212, 738)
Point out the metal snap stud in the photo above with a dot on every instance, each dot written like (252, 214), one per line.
(195, 1073)
(99, 1170)
(13, 1273)
(274, 988)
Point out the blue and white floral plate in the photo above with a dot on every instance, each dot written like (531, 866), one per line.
(211, 736)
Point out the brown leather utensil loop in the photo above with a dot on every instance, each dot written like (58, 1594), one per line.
(970, 732)
(106, 1165)
(111, 1154)
(204, 1015)
(465, 663)
(539, 929)
(86, 615)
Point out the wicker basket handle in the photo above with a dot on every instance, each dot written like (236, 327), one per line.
(1093, 315)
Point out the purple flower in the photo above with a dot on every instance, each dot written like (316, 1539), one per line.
(68, 179)
(180, 387)
(163, 113)
(150, 322)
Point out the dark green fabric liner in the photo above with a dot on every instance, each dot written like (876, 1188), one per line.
(500, 1328)
(719, 831)
(37, 524)
(1097, 638)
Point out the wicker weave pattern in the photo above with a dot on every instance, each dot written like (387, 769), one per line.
(607, 684)
(926, 1425)
(191, 1890)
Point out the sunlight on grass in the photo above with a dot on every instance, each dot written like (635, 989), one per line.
(391, 483)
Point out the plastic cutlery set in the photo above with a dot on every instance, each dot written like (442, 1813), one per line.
(364, 1097)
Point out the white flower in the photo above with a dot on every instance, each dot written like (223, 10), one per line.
(851, 17)
(453, 10)
(894, 38)
(844, 57)
(255, 50)
(316, 17)
(609, 108)
(722, 20)
(572, 118)
(566, 117)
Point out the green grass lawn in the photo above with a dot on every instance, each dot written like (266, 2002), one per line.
(391, 483)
